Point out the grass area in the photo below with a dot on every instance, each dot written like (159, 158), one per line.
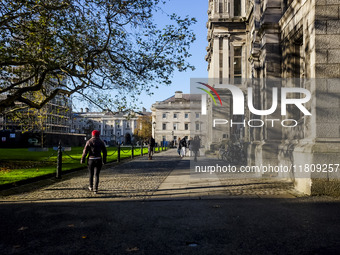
(22, 164)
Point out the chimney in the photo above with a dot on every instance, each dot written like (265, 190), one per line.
(86, 109)
(143, 109)
(178, 94)
(81, 109)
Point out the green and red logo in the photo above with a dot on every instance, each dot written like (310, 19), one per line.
(209, 93)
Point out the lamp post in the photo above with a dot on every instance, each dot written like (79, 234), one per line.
(154, 129)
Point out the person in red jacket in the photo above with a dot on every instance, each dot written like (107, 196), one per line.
(94, 149)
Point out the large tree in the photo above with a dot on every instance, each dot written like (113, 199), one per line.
(87, 47)
(144, 127)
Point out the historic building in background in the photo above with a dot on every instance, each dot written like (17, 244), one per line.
(177, 117)
(265, 40)
(114, 127)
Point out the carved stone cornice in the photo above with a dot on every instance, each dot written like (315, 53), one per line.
(221, 35)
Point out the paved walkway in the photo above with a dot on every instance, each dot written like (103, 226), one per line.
(157, 207)
(165, 177)
(183, 183)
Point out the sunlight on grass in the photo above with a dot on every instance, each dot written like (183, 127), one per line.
(22, 164)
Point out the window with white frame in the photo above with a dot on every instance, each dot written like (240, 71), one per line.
(175, 126)
(221, 6)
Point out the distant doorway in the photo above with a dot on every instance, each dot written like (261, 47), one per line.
(127, 138)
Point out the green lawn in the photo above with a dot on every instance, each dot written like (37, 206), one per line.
(21, 164)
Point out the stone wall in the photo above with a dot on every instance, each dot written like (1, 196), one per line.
(314, 27)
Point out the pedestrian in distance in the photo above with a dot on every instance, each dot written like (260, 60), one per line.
(183, 143)
(96, 151)
(190, 147)
(196, 144)
(179, 146)
(151, 145)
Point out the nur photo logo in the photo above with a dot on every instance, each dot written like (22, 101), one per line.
(242, 103)
(204, 97)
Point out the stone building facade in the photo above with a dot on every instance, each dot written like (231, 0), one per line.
(118, 127)
(287, 44)
(177, 117)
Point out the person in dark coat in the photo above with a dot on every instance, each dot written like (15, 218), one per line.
(94, 148)
(196, 144)
(183, 143)
(179, 146)
(151, 145)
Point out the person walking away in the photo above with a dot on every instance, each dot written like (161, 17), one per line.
(183, 147)
(94, 148)
(190, 147)
(151, 145)
(196, 144)
(179, 146)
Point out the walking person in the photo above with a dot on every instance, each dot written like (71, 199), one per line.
(94, 148)
(179, 146)
(190, 147)
(151, 145)
(183, 147)
(196, 144)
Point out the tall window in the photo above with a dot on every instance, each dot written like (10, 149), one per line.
(237, 61)
(237, 7)
(164, 126)
(186, 126)
(175, 126)
(197, 126)
(220, 59)
(221, 6)
(297, 58)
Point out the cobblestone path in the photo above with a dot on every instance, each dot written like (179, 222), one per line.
(135, 179)
(165, 177)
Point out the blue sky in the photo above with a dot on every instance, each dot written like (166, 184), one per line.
(180, 80)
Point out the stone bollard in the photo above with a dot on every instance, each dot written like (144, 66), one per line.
(118, 153)
(59, 162)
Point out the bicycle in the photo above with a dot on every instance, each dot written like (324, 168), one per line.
(233, 155)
